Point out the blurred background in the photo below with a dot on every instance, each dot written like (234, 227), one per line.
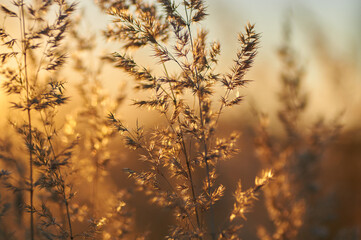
(325, 37)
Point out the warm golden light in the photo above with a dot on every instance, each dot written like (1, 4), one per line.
(180, 119)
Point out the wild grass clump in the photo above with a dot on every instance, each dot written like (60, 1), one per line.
(295, 200)
(63, 174)
(29, 68)
(182, 156)
(32, 69)
(102, 201)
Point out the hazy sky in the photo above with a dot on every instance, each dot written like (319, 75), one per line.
(338, 21)
(337, 17)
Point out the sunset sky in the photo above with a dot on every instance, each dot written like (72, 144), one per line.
(334, 23)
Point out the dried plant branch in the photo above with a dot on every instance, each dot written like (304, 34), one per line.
(31, 95)
(167, 153)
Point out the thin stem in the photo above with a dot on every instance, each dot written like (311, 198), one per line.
(171, 187)
(213, 234)
(63, 185)
(163, 48)
(184, 149)
(24, 50)
(191, 181)
(222, 104)
(95, 186)
(159, 171)
(47, 134)
(68, 214)
(40, 63)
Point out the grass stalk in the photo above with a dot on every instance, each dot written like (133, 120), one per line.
(65, 199)
(68, 214)
(184, 150)
(24, 50)
(212, 220)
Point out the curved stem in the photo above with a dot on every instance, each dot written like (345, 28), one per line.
(184, 149)
(212, 224)
(68, 214)
(30, 139)
(63, 184)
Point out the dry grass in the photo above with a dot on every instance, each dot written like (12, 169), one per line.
(296, 199)
(182, 156)
(36, 49)
(61, 176)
